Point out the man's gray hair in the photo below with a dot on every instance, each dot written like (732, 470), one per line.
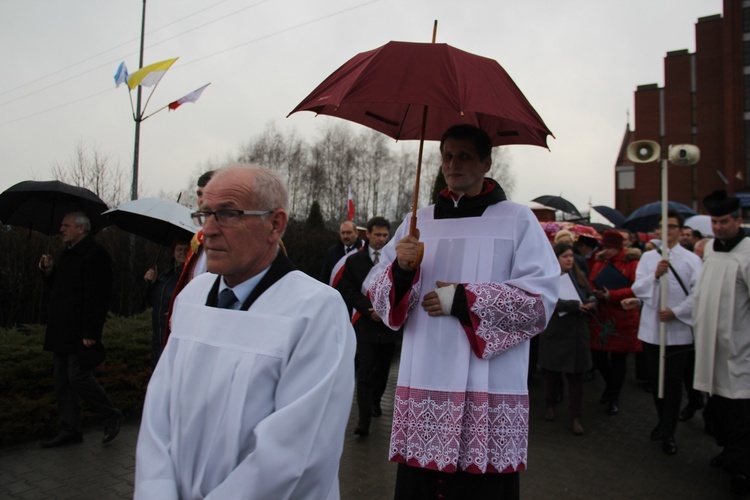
(267, 191)
(81, 220)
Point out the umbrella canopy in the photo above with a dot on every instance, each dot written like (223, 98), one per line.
(611, 214)
(646, 218)
(551, 228)
(700, 223)
(41, 205)
(388, 88)
(558, 203)
(160, 221)
(600, 228)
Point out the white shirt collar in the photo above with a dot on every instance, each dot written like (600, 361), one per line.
(244, 289)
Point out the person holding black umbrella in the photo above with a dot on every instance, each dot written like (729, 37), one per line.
(159, 291)
(614, 331)
(80, 282)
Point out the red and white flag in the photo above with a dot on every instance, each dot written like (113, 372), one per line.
(350, 206)
(191, 97)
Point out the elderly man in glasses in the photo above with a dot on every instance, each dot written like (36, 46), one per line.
(252, 394)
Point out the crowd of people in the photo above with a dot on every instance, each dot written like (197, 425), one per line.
(679, 290)
(255, 363)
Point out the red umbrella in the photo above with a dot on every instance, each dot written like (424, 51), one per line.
(388, 88)
(391, 88)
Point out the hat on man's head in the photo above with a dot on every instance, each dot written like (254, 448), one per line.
(612, 239)
(587, 240)
(720, 203)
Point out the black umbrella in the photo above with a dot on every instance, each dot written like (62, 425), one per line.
(559, 203)
(611, 214)
(600, 228)
(647, 217)
(41, 205)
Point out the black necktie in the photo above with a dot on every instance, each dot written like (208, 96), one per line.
(227, 299)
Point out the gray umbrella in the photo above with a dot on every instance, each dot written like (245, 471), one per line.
(160, 221)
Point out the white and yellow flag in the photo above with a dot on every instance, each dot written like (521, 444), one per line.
(148, 76)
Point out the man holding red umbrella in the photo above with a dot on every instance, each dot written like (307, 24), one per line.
(460, 425)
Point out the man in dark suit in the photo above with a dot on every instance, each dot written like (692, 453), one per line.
(349, 243)
(80, 282)
(375, 341)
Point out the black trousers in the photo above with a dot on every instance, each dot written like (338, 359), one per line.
(373, 365)
(676, 358)
(72, 382)
(613, 367)
(415, 483)
(695, 397)
(731, 426)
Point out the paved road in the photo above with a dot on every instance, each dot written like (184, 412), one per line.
(614, 459)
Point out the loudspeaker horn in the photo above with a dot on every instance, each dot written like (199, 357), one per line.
(643, 151)
(684, 154)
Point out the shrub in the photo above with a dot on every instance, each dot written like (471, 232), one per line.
(27, 408)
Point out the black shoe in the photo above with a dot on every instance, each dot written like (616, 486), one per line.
(688, 412)
(361, 431)
(612, 409)
(669, 446)
(376, 410)
(62, 439)
(112, 428)
(656, 434)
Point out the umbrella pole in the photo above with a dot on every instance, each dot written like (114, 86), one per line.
(415, 203)
(158, 254)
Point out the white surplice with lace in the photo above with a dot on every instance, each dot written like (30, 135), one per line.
(462, 398)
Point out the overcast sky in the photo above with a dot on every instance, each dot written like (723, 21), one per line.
(577, 61)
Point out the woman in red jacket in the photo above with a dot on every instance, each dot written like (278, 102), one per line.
(614, 331)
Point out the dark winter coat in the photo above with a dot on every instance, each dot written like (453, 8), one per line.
(159, 296)
(80, 288)
(564, 344)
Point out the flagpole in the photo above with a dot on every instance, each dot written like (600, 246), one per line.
(152, 114)
(138, 114)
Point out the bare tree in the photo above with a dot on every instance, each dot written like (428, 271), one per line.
(502, 171)
(285, 153)
(90, 168)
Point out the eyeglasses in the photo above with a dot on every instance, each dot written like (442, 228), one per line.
(224, 217)
(673, 226)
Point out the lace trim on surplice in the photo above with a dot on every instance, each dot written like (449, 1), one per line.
(383, 295)
(502, 316)
(473, 431)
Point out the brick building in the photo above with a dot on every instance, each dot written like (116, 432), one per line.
(705, 101)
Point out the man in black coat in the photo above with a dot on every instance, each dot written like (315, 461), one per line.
(349, 243)
(80, 282)
(375, 341)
